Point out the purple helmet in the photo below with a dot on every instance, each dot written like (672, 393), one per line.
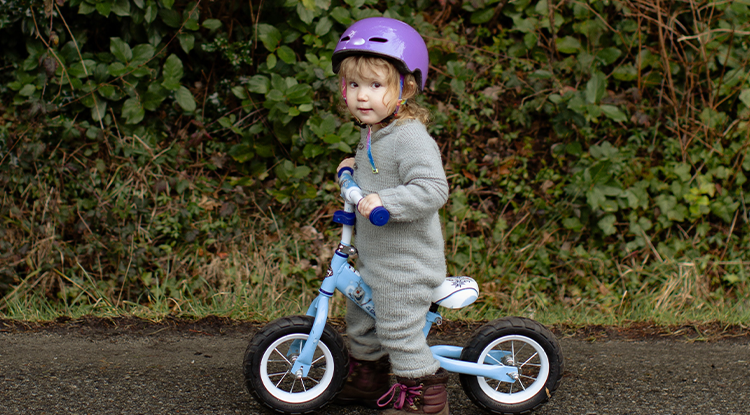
(387, 38)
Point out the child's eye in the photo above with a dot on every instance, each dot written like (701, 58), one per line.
(376, 85)
(353, 84)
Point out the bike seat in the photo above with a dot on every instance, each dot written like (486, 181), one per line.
(456, 292)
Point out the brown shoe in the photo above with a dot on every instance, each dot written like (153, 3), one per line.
(425, 395)
(367, 381)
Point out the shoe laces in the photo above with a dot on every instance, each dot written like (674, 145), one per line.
(406, 395)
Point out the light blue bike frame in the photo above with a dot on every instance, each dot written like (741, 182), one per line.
(343, 277)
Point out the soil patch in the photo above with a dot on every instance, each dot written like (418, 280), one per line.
(213, 326)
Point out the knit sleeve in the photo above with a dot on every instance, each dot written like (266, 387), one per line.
(420, 168)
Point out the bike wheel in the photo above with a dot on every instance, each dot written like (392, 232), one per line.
(269, 358)
(522, 343)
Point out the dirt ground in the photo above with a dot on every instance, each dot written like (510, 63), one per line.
(133, 366)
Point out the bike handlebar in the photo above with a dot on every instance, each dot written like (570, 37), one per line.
(353, 194)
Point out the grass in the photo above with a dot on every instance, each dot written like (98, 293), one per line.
(270, 274)
(255, 305)
(269, 300)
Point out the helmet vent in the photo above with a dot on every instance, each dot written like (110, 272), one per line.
(378, 39)
(344, 39)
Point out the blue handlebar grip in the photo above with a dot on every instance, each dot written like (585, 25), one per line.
(379, 216)
(344, 169)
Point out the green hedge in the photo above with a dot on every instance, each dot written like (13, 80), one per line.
(596, 149)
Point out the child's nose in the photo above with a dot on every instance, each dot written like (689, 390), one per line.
(362, 94)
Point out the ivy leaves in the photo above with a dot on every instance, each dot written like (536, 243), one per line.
(172, 74)
(133, 110)
(131, 63)
(574, 69)
(596, 87)
(568, 45)
(120, 50)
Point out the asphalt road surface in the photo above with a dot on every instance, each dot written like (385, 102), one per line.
(127, 366)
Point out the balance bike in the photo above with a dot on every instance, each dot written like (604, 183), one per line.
(297, 364)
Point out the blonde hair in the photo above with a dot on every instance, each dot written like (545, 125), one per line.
(363, 65)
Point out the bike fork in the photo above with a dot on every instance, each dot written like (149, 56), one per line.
(303, 362)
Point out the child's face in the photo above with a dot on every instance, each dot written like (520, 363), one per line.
(367, 97)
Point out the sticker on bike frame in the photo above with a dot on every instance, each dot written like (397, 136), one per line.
(360, 296)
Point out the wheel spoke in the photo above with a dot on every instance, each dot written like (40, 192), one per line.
(278, 374)
(519, 350)
(309, 378)
(514, 354)
(282, 356)
(527, 360)
(282, 379)
(493, 358)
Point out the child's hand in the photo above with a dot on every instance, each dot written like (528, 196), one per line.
(369, 203)
(347, 162)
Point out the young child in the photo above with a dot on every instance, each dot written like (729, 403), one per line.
(383, 64)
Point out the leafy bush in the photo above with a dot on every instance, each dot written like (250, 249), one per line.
(595, 149)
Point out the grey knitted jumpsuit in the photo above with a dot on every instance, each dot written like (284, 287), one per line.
(404, 260)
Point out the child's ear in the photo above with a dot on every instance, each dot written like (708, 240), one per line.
(410, 89)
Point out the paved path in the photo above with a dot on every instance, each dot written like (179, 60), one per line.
(166, 370)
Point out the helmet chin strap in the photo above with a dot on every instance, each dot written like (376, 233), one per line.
(400, 101)
(385, 120)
